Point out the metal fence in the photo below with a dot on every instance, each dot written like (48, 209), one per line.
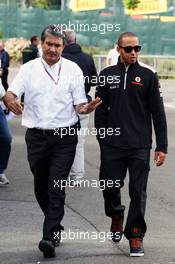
(164, 65)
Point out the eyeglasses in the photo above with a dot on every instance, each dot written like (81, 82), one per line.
(128, 49)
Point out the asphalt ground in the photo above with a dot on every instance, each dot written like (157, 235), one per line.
(21, 218)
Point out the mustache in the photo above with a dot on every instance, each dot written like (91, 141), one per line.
(51, 53)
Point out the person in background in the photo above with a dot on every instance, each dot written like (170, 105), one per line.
(5, 141)
(31, 52)
(4, 65)
(112, 56)
(73, 52)
(132, 101)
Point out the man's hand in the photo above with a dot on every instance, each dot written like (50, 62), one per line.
(11, 103)
(88, 108)
(159, 158)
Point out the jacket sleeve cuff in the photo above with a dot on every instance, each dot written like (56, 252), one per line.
(162, 148)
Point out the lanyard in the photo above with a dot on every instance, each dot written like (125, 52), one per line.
(59, 70)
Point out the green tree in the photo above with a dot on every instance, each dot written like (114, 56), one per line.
(1, 34)
(131, 4)
(41, 3)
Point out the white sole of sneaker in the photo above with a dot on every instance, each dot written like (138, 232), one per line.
(137, 254)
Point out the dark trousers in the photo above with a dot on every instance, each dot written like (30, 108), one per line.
(5, 142)
(114, 164)
(50, 158)
(4, 79)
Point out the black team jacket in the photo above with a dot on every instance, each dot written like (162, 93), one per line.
(132, 99)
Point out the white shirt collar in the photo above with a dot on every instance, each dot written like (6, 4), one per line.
(52, 67)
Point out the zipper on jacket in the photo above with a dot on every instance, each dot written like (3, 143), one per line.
(126, 71)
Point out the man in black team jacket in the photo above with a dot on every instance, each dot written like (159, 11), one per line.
(132, 99)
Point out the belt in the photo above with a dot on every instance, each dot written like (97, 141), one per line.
(54, 131)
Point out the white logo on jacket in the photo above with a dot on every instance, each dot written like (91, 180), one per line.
(137, 79)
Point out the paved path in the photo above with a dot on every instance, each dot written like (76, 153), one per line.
(21, 218)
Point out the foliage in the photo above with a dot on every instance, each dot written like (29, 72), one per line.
(41, 4)
(131, 4)
(14, 47)
(44, 4)
(94, 50)
(1, 34)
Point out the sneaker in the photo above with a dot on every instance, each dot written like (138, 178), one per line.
(117, 228)
(3, 180)
(136, 247)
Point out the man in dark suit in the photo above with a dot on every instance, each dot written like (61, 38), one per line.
(73, 52)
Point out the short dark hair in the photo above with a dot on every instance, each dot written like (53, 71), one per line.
(125, 34)
(33, 38)
(53, 30)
